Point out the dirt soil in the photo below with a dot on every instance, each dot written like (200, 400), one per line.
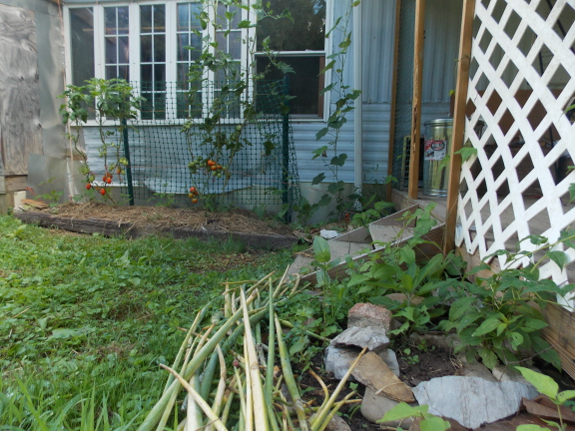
(236, 220)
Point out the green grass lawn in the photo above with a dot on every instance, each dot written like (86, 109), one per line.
(86, 320)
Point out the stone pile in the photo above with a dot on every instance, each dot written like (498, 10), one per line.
(474, 397)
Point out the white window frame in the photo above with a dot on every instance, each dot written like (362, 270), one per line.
(171, 50)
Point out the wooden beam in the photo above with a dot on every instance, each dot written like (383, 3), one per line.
(391, 155)
(416, 98)
(458, 122)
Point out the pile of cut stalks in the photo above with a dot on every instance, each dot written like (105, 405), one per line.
(255, 388)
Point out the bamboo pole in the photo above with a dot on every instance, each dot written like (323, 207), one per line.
(458, 122)
(416, 105)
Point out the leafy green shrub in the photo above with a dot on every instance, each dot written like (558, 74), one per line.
(495, 316)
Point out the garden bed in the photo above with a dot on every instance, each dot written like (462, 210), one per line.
(139, 221)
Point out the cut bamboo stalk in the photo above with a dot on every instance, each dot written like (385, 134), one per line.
(260, 413)
(198, 399)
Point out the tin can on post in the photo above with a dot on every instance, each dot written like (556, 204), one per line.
(437, 144)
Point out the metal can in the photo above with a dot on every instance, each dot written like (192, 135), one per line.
(437, 144)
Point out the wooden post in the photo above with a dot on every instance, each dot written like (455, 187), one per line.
(416, 103)
(458, 122)
(391, 155)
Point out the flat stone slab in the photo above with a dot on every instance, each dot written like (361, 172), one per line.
(373, 338)
(113, 228)
(472, 401)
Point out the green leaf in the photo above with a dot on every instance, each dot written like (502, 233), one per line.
(571, 192)
(516, 340)
(321, 133)
(245, 24)
(467, 319)
(530, 324)
(318, 178)
(488, 357)
(565, 395)
(544, 384)
(487, 326)
(319, 152)
(407, 255)
(531, 427)
(339, 160)
(403, 411)
(321, 250)
(559, 257)
(434, 424)
(466, 153)
(357, 279)
(460, 307)
(63, 333)
(328, 67)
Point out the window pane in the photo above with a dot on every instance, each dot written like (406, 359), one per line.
(183, 41)
(159, 48)
(221, 41)
(183, 17)
(124, 72)
(111, 72)
(221, 16)
(110, 18)
(111, 50)
(146, 49)
(197, 45)
(123, 49)
(237, 15)
(182, 74)
(235, 48)
(82, 44)
(304, 84)
(305, 32)
(159, 18)
(123, 20)
(160, 77)
(146, 19)
(146, 74)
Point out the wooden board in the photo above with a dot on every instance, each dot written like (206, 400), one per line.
(423, 251)
(20, 129)
(561, 335)
(111, 228)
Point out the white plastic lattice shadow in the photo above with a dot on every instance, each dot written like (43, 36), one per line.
(521, 82)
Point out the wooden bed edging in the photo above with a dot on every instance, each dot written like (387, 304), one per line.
(111, 228)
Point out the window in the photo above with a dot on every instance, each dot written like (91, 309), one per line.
(148, 44)
(300, 43)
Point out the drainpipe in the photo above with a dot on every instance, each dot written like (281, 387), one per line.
(358, 111)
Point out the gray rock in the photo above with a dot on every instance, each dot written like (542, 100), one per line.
(474, 369)
(374, 339)
(365, 314)
(503, 373)
(338, 359)
(472, 401)
(390, 358)
(373, 407)
(337, 424)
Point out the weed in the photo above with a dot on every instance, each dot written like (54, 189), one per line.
(86, 320)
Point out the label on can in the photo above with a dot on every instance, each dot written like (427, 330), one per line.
(434, 150)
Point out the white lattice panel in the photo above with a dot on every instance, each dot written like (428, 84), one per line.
(522, 78)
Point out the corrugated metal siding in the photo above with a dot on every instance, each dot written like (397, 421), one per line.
(375, 141)
(442, 27)
(378, 20)
(375, 146)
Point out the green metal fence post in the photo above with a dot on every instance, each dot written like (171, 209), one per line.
(127, 156)
(285, 152)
